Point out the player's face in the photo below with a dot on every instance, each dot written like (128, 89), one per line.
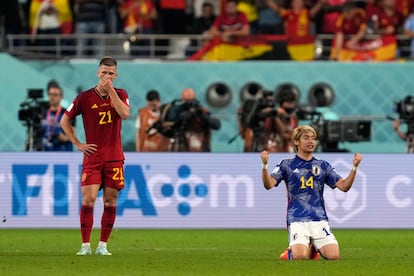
(306, 143)
(107, 73)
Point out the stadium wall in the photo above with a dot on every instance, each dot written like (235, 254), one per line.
(362, 89)
(216, 190)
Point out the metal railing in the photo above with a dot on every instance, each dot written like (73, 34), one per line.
(142, 46)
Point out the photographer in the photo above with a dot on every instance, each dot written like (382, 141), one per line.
(54, 139)
(259, 126)
(187, 123)
(287, 118)
(405, 109)
(147, 139)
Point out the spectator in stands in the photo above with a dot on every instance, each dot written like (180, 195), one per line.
(269, 21)
(386, 20)
(46, 21)
(90, 18)
(204, 22)
(138, 16)
(298, 18)
(230, 23)
(409, 30)
(330, 13)
(350, 28)
(148, 138)
(249, 8)
(54, 139)
(201, 25)
(404, 7)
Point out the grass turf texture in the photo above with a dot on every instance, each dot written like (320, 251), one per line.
(200, 252)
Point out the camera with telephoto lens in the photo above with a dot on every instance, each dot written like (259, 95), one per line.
(254, 111)
(405, 110)
(179, 115)
(32, 108)
(30, 113)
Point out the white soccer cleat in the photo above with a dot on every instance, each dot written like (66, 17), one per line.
(101, 250)
(85, 250)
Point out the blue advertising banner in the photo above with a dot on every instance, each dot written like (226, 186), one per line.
(189, 190)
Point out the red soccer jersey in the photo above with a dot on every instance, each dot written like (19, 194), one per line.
(350, 26)
(296, 24)
(173, 4)
(101, 123)
(384, 20)
(226, 23)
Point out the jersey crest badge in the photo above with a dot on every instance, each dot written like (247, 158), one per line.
(316, 170)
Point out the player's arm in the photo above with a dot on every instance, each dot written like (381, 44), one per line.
(268, 181)
(345, 184)
(67, 127)
(121, 108)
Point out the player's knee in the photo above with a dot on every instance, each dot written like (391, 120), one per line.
(88, 201)
(332, 256)
(300, 254)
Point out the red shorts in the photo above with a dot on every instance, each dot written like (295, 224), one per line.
(107, 174)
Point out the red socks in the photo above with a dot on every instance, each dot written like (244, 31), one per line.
(107, 222)
(86, 222)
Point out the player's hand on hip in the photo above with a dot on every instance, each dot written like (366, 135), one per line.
(265, 157)
(87, 148)
(357, 159)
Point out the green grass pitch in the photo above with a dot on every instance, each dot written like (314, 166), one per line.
(200, 252)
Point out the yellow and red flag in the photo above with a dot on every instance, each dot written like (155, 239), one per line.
(64, 14)
(383, 48)
(259, 47)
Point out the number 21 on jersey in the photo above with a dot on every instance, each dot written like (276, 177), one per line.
(106, 117)
(306, 182)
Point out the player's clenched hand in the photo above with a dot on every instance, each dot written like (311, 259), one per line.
(265, 157)
(357, 159)
(87, 148)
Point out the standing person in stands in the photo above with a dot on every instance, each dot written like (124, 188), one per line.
(103, 108)
(298, 18)
(231, 23)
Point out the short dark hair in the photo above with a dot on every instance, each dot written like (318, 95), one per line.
(286, 95)
(153, 95)
(54, 84)
(108, 61)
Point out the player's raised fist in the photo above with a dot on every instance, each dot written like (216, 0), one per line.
(264, 156)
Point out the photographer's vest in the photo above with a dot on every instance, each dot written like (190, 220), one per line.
(150, 140)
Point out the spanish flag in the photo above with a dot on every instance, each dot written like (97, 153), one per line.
(383, 48)
(64, 14)
(257, 47)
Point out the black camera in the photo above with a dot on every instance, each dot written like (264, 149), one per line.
(179, 115)
(30, 113)
(405, 108)
(254, 111)
(32, 108)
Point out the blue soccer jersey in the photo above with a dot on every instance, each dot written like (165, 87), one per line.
(305, 183)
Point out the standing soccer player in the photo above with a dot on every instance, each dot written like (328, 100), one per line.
(102, 107)
(305, 177)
